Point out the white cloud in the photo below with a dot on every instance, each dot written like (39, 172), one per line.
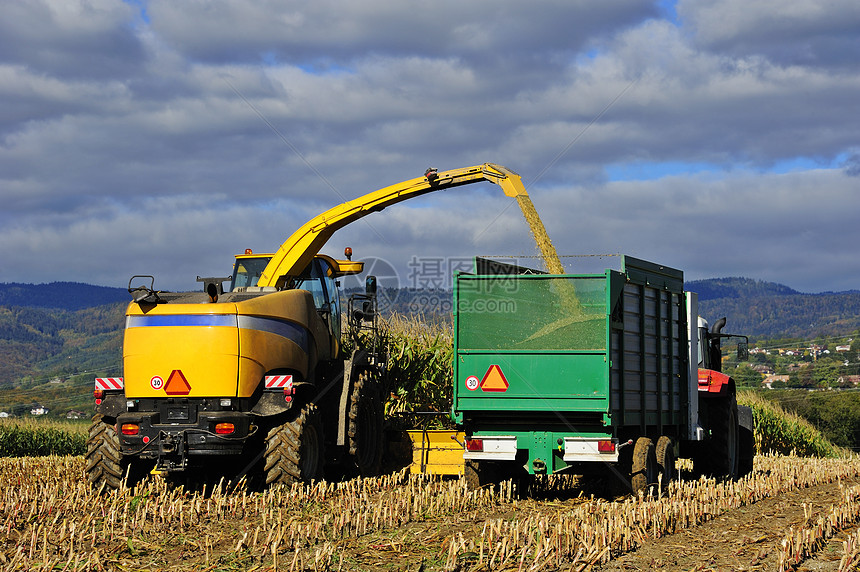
(816, 32)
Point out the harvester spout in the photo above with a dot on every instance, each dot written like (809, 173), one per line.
(511, 183)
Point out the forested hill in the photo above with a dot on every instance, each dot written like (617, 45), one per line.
(70, 296)
(716, 288)
(769, 310)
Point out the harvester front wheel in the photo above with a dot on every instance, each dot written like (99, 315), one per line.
(645, 467)
(294, 450)
(365, 424)
(105, 464)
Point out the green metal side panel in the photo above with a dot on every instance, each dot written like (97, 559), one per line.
(531, 343)
(533, 382)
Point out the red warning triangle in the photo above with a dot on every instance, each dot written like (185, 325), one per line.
(494, 380)
(177, 384)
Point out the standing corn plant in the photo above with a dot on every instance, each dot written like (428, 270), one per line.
(419, 365)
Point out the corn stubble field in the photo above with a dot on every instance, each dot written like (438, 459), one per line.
(50, 519)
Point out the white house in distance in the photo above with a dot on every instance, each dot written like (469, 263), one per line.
(768, 381)
(39, 410)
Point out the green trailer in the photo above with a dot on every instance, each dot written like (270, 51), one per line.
(589, 373)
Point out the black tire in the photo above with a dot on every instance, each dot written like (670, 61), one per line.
(480, 474)
(665, 453)
(105, 465)
(476, 474)
(746, 440)
(365, 425)
(721, 456)
(746, 452)
(489, 474)
(295, 449)
(644, 470)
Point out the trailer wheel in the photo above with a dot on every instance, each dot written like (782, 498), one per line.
(721, 455)
(365, 424)
(294, 450)
(105, 464)
(645, 468)
(476, 475)
(665, 453)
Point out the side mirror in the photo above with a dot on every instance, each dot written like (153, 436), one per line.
(370, 285)
(743, 351)
(143, 294)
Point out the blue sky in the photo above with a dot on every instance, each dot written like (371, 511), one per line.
(155, 137)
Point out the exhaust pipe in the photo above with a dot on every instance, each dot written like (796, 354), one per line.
(718, 326)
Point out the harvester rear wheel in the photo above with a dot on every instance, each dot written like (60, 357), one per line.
(105, 464)
(665, 453)
(645, 468)
(294, 450)
(365, 424)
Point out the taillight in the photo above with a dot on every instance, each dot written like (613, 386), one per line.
(475, 445)
(99, 393)
(289, 391)
(225, 428)
(130, 428)
(606, 446)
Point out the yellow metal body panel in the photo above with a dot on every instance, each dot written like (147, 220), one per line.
(298, 250)
(207, 356)
(436, 452)
(222, 349)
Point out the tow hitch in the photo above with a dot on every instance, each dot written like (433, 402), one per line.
(172, 447)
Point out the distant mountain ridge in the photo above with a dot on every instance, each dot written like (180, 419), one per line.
(70, 296)
(770, 310)
(737, 287)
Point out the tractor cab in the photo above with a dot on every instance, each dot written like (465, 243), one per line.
(711, 341)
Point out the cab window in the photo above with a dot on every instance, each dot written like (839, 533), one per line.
(247, 271)
(319, 280)
(332, 296)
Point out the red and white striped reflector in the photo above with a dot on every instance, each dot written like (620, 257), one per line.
(109, 383)
(279, 381)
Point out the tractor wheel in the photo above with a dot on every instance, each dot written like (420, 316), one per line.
(665, 453)
(105, 464)
(294, 450)
(721, 455)
(365, 425)
(645, 468)
(746, 441)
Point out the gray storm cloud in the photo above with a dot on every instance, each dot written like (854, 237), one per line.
(162, 137)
